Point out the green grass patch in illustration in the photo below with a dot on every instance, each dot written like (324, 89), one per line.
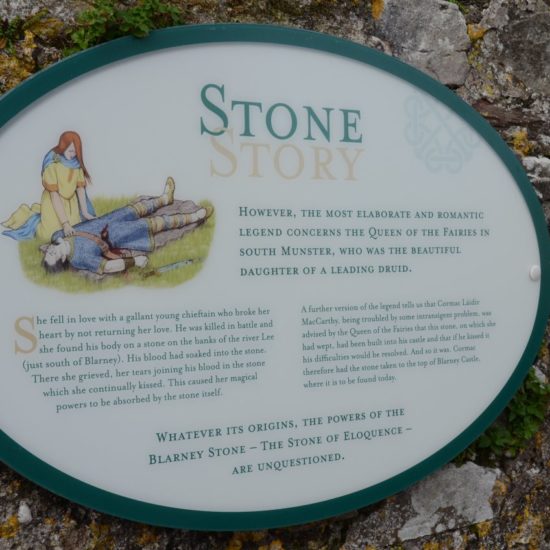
(194, 245)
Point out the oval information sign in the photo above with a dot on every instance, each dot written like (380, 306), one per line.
(255, 276)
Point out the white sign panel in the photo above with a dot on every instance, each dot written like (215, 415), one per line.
(254, 277)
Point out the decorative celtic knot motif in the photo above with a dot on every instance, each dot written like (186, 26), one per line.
(438, 137)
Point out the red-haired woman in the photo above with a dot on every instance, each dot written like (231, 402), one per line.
(64, 202)
(64, 178)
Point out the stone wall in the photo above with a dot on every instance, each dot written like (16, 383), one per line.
(496, 55)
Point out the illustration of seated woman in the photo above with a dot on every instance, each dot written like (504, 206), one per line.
(64, 201)
(121, 239)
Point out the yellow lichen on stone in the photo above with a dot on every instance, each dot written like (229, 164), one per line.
(12, 72)
(521, 143)
(10, 528)
(101, 537)
(68, 521)
(530, 528)
(147, 536)
(256, 536)
(47, 28)
(488, 90)
(431, 546)
(476, 32)
(544, 353)
(14, 486)
(273, 545)
(483, 528)
(50, 522)
(377, 8)
(206, 4)
(236, 542)
(473, 56)
(500, 488)
(370, 547)
(27, 49)
(16, 68)
(238, 539)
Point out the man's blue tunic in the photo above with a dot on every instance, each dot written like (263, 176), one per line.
(125, 229)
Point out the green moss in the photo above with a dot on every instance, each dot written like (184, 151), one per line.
(11, 32)
(285, 11)
(42, 26)
(461, 6)
(474, 55)
(45, 28)
(106, 20)
(109, 19)
(517, 425)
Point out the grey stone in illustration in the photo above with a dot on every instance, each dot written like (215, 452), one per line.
(438, 138)
(429, 34)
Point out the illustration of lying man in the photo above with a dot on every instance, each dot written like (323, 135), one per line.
(120, 239)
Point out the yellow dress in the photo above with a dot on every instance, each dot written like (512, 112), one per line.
(65, 181)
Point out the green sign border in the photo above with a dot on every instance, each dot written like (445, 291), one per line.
(56, 481)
